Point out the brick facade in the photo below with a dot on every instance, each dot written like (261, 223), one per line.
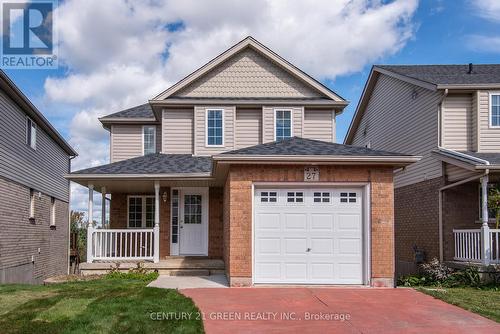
(22, 240)
(238, 214)
(417, 219)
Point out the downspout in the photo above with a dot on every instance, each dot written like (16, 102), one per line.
(441, 191)
(440, 117)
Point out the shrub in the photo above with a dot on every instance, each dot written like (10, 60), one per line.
(436, 271)
(139, 273)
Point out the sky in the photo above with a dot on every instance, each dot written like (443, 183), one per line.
(116, 54)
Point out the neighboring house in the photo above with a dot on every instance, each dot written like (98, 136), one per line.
(450, 115)
(237, 163)
(34, 195)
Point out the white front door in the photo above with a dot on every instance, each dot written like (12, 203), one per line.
(193, 221)
(308, 236)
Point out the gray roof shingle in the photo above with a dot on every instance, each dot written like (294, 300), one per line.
(157, 163)
(302, 146)
(449, 74)
(142, 111)
(492, 158)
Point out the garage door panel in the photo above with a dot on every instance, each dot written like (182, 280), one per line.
(317, 240)
(295, 271)
(323, 222)
(349, 222)
(294, 246)
(268, 221)
(269, 246)
(321, 246)
(295, 221)
(349, 246)
(268, 270)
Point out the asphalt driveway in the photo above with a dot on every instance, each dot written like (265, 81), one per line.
(326, 310)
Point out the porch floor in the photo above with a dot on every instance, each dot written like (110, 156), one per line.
(175, 266)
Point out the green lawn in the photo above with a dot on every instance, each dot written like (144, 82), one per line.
(485, 301)
(99, 306)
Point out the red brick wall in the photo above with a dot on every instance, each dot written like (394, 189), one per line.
(237, 222)
(215, 211)
(416, 222)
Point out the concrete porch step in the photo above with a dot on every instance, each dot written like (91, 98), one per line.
(190, 272)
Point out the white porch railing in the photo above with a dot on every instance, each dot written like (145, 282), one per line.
(122, 244)
(477, 245)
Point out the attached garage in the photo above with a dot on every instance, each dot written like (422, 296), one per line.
(308, 235)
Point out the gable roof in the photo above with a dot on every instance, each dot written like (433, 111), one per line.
(260, 48)
(301, 149)
(432, 77)
(8, 86)
(154, 164)
(441, 75)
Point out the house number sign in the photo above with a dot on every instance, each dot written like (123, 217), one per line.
(311, 174)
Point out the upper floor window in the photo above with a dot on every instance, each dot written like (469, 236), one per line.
(215, 127)
(149, 139)
(495, 110)
(30, 133)
(283, 124)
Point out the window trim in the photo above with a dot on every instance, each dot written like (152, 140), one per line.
(143, 214)
(52, 211)
(223, 126)
(32, 204)
(490, 110)
(154, 138)
(291, 120)
(34, 126)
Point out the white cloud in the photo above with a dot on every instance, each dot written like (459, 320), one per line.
(120, 53)
(484, 43)
(488, 9)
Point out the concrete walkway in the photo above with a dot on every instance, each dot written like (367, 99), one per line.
(189, 282)
(332, 310)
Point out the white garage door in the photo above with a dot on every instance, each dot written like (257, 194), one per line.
(308, 236)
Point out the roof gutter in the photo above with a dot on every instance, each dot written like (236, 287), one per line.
(463, 156)
(190, 176)
(233, 158)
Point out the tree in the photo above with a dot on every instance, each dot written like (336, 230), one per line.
(494, 203)
(79, 227)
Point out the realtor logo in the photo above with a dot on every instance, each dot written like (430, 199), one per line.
(28, 39)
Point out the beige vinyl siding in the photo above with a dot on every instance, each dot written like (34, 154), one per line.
(455, 173)
(177, 131)
(489, 138)
(200, 130)
(319, 125)
(248, 74)
(474, 123)
(126, 141)
(394, 121)
(268, 122)
(457, 122)
(248, 131)
(42, 169)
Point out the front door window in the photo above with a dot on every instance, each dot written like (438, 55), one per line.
(192, 209)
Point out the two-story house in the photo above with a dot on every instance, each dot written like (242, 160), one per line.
(34, 195)
(449, 115)
(236, 165)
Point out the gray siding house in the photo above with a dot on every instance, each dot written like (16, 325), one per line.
(237, 162)
(34, 195)
(449, 115)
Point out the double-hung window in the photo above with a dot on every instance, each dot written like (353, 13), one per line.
(495, 110)
(141, 211)
(30, 133)
(149, 139)
(215, 127)
(283, 124)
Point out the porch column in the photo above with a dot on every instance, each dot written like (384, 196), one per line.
(156, 229)
(103, 207)
(485, 230)
(90, 225)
